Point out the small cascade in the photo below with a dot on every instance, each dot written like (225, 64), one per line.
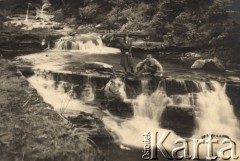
(148, 110)
(151, 106)
(61, 95)
(80, 42)
(87, 93)
(27, 13)
(170, 108)
(217, 116)
(181, 86)
(41, 13)
(145, 83)
(43, 7)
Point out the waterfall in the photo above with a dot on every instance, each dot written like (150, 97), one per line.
(87, 93)
(151, 106)
(42, 14)
(144, 83)
(80, 42)
(216, 115)
(42, 8)
(61, 95)
(217, 112)
(27, 13)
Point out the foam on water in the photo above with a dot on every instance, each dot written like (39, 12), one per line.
(63, 101)
(217, 113)
(79, 42)
(216, 117)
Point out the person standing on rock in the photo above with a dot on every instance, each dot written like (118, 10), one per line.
(126, 55)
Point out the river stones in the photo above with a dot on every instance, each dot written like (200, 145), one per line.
(122, 109)
(189, 58)
(87, 120)
(99, 66)
(209, 64)
(179, 118)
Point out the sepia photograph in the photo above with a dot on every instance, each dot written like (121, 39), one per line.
(119, 80)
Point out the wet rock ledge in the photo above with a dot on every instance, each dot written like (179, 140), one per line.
(31, 130)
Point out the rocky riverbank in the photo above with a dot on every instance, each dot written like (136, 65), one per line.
(15, 42)
(31, 130)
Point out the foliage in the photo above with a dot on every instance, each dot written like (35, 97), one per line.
(177, 22)
(89, 12)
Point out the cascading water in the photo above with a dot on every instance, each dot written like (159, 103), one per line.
(27, 12)
(145, 104)
(216, 117)
(69, 58)
(144, 84)
(87, 93)
(87, 43)
(81, 42)
(217, 112)
(147, 110)
(42, 19)
(41, 13)
(60, 95)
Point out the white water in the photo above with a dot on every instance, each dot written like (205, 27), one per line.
(89, 43)
(87, 95)
(27, 12)
(42, 20)
(41, 13)
(216, 117)
(55, 95)
(79, 42)
(217, 113)
(147, 110)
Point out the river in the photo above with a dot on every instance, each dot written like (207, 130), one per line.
(148, 108)
(212, 112)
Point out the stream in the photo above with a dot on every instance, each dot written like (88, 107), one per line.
(184, 104)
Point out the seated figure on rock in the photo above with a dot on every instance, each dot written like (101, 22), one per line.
(149, 66)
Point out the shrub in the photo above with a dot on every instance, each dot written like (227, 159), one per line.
(88, 13)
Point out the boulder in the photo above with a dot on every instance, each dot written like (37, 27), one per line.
(179, 118)
(209, 64)
(86, 120)
(98, 26)
(123, 109)
(114, 90)
(189, 58)
(99, 66)
(57, 27)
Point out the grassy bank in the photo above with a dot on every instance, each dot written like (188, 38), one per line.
(30, 129)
